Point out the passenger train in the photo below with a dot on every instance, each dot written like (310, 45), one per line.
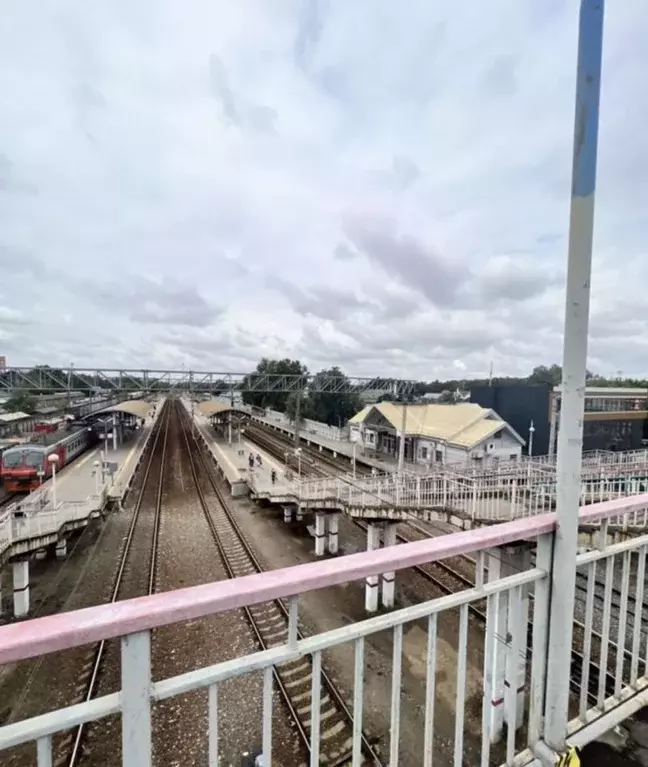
(24, 467)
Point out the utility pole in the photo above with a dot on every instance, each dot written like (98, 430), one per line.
(297, 417)
(570, 433)
(401, 444)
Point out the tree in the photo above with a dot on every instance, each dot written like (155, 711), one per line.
(294, 400)
(331, 408)
(272, 399)
(21, 402)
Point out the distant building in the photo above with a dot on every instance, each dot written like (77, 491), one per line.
(519, 405)
(450, 434)
(616, 418)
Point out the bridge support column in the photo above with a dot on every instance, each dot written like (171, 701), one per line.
(496, 631)
(320, 533)
(21, 587)
(61, 549)
(507, 630)
(371, 586)
(333, 526)
(388, 579)
(517, 558)
(287, 510)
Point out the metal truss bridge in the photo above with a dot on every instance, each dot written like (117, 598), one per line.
(44, 379)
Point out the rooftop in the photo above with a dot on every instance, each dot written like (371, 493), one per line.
(465, 424)
(10, 417)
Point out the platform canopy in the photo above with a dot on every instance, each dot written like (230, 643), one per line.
(212, 408)
(137, 407)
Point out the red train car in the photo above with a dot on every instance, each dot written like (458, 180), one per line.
(24, 467)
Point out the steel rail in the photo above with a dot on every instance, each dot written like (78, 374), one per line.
(327, 682)
(76, 750)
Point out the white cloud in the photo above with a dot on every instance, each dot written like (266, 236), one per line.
(385, 187)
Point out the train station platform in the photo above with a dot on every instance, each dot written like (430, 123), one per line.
(233, 459)
(79, 493)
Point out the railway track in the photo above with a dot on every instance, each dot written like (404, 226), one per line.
(330, 740)
(280, 445)
(139, 537)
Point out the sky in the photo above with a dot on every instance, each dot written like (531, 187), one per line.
(376, 185)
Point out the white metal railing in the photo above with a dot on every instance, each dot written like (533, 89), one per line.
(511, 680)
(139, 692)
(494, 499)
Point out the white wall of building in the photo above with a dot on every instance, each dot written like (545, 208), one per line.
(502, 446)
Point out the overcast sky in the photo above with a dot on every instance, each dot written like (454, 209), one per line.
(379, 185)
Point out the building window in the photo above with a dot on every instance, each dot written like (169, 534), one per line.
(424, 453)
(513, 456)
(439, 456)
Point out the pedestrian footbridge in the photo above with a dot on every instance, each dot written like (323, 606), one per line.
(518, 681)
(463, 500)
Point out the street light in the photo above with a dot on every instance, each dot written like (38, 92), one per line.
(531, 431)
(298, 452)
(53, 459)
(98, 479)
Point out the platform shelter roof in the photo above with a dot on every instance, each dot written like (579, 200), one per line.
(214, 407)
(136, 407)
(464, 424)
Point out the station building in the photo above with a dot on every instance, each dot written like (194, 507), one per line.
(451, 434)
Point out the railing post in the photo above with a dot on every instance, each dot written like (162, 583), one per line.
(570, 434)
(136, 700)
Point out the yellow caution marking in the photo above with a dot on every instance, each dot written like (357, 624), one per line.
(570, 759)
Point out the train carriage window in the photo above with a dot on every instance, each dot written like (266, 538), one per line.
(12, 459)
(34, 459)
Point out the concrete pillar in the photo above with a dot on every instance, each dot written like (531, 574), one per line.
(287, 514)
(371, 586)
(506, 668)
(517, 559)
(21, 587)
(333, 525)
(320, 533)
(496, 664)
(388, 579)
(61, 549)
(299, 515)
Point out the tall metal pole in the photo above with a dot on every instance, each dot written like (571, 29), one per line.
(401, 444)
(297, 418)
(553, 423)
(570, 434)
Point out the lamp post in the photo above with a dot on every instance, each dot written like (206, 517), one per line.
(531, 432)
(98, 478)
(298, 452)
(53, 459)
